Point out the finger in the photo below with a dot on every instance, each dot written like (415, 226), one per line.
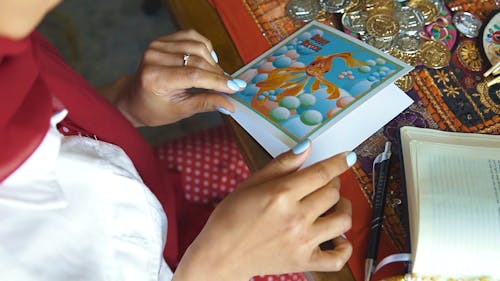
(283, 164)
(206, 102)
(189, 34)
(185, 47)
(334, 224)
(331, 260)
(313, 177)
(321, 200)
(156, 57)
(186, 78)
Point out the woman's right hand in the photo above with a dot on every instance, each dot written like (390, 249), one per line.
(273, 223)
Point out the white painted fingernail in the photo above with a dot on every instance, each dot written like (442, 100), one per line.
(214, 56)
(351, 159)
(240, 83)
(232, 85)
(301, 147)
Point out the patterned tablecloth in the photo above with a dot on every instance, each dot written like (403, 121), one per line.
(454, 98)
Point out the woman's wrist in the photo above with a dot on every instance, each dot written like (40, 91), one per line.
(202, 264)
(117, 93)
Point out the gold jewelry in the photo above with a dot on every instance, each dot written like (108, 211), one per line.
(435, 55)
(382, 25)
(428, 9)
(405, 83)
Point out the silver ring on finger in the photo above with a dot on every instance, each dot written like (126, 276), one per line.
(185, 59)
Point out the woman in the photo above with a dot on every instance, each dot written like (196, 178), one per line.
(80, 190)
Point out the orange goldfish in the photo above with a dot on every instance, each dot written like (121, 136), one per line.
(294, 79)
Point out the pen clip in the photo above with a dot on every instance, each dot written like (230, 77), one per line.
(385, 155)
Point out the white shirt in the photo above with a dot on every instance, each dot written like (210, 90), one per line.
(78, 210)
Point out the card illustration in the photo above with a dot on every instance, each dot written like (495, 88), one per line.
(314, 77)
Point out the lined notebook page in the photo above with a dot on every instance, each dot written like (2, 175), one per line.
(459, 209)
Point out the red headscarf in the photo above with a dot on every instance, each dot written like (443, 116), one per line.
(32, 77)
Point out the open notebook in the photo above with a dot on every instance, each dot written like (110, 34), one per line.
(453, 191)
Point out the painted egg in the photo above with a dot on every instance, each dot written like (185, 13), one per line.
(311, 117)
(290, 102)
(307, 100)
(279, 114)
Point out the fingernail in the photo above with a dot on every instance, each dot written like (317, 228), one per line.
(214, 56)
(351, 159)
(301, 147)
(223, 110)
(232, 85)
(240, 83)
(343, 236)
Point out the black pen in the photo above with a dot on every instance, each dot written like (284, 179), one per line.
(379, 191)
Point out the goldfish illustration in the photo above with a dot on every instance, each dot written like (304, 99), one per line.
(293, 79)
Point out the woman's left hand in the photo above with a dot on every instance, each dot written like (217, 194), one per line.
(168, 88)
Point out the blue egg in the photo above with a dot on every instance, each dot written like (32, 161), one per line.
(311, 117)
(265, 93)
(303, 50)
(371, 78)
(304, 36)
(278, 91)
(259, 77)
(375, 74)
(290, 102)
(250, 90)
(259, 64)
(307, 100)
(272, 98)
(280, 51)
(272, 93)
(279, 114)
(364, 69)
(382, 73)
(261, 97)
(380, 61)
(282, 62)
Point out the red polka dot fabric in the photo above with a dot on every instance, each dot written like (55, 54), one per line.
(211, 167)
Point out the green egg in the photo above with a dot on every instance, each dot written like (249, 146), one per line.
(290, 102)
(364, 69)
(307, 100)
(370, 63)
(311, 117)
(279, 114)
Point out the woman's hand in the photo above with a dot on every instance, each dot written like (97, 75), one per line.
(273, 224)
(166, 89)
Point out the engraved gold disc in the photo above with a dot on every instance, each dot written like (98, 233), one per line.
(382, 25)
(355, 5)
(469, 56)
(428, 9)
(435, 55)
(489, 96)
